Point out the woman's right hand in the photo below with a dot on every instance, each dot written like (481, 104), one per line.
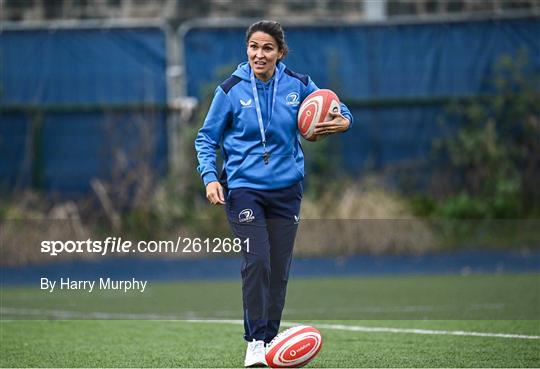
(214, 193)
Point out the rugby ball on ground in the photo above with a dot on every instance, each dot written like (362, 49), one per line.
(294, 347)
(314, 109)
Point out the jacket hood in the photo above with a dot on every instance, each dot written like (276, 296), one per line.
(243, 70)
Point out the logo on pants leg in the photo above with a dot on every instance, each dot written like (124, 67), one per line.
(246, 216)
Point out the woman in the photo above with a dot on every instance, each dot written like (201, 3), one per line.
(253, 118)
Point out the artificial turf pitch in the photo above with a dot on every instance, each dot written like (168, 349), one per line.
(31, 334)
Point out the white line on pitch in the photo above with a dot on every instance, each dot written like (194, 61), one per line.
(63, 314)
(355, 328)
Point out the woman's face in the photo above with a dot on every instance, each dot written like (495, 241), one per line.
(263, 53)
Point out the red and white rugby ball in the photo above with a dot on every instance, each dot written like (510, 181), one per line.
(294, 347)
(316, 108)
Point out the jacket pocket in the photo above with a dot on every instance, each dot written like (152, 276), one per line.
(281, 171)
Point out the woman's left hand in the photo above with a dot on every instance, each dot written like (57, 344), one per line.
(338, 124)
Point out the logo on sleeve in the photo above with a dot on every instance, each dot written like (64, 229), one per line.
(293, 99)
(246, 216)
(245, 104)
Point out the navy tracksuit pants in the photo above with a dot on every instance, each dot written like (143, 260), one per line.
(269, 219)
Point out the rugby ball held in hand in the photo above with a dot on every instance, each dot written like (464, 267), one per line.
(294, 347)
(316, 108)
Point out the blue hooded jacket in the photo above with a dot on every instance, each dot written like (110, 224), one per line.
(232, 123)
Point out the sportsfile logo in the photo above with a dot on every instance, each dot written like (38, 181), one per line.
(246, 216)
(293, 99)
(245, 104)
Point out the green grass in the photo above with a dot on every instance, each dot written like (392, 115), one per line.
(506, 303)
(184, 344)
(482, 296)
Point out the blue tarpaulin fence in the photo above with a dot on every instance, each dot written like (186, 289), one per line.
(396, 78)
(70, 97)
(367, 62)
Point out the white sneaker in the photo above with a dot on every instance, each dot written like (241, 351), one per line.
(255, 354)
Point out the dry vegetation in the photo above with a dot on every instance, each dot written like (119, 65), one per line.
(358, 219)
(342, 222)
